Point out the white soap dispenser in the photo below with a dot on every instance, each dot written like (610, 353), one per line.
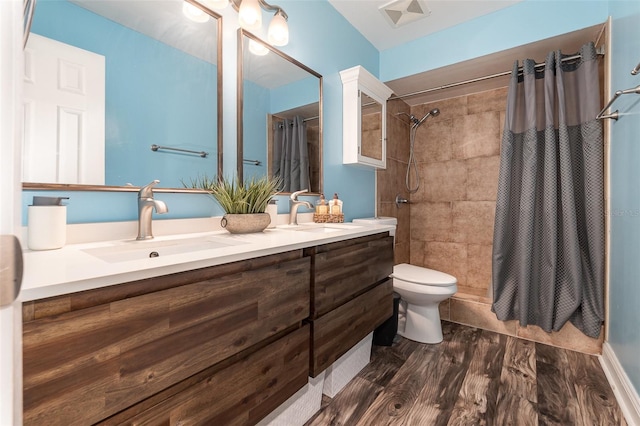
(47, 223)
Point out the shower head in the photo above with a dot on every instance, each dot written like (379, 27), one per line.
(434, 112)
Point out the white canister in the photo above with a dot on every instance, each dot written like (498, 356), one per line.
(46, 227)
(272, 209)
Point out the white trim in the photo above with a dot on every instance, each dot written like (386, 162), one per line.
(622, 387)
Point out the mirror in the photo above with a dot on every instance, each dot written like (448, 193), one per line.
(371, 116)
(280, 102)
(162, 79)
(364, 109)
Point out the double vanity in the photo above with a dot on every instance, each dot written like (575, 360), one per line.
(206, 328)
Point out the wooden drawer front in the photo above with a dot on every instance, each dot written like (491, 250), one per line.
(338, 331)
(85, 365)
(343, 272)
(241, 394)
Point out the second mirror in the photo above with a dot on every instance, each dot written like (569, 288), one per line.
(280, 102)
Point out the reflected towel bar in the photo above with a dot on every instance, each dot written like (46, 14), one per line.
(200, 153)
(636, 70)
(254, 162)
(615, 114)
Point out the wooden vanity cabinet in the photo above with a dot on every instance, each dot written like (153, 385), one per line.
(219, 345)
(351, 294)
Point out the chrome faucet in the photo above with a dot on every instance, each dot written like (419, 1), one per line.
(146, 204)
(294, 203)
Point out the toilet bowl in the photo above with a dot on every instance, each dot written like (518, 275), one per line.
(421, 290)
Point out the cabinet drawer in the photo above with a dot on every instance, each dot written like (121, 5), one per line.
(241, 394)
(334, 333)
(345, 269)
(85, 365)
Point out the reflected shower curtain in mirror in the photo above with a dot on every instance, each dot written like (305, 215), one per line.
(548, 244)
(290, 154)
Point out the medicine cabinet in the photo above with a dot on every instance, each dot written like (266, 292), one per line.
(364, 100)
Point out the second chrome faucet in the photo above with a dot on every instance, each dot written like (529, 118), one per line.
(146, 205)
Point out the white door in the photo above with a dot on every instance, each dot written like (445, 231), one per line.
(10, 195)
(64, 94)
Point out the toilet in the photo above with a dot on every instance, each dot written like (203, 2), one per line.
(421, 291)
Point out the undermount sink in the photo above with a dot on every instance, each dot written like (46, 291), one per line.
(136, 250)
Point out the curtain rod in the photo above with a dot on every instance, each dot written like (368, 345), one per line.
(600, 52)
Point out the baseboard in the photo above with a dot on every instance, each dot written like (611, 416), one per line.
(622, 388)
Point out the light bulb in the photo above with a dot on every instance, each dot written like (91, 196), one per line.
(278, 33)
(215, 4)
(194, 13)
(257, 48)
(250, 15)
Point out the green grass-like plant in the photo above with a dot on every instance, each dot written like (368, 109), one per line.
(236, 198)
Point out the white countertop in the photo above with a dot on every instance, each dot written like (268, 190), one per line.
(79, 267)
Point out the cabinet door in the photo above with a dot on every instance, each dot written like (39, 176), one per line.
(87, 364)
(241, 394)
(342, 328)
(343, 270)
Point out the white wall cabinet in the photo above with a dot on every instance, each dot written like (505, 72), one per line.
(364, 100)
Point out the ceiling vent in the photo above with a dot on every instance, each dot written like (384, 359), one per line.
(402, 12)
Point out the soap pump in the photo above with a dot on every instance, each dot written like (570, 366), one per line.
(321, 205)
(335, 205)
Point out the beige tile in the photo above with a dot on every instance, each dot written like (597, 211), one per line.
(394, 106)
(479, 266)
(397, 138)
(434, 142)
(443, 308)
(452, 107)
(473, 222)
(450, 258)
(444, 181)
(416, 252)
(403, 233)
(482, 178)
(388, 181)
(491, 100)
(569, 337)
(479, 315)
(476, 135)
(401, 254)
(472, 294)
(432, 221)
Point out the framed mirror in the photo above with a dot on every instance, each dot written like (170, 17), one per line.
(158, 67)
(280, 102)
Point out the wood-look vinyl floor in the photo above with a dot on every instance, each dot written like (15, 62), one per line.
(474, 377)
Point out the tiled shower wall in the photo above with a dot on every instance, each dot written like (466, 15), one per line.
(452, 213)
(448, 225)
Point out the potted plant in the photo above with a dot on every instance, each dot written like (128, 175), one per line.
(244, 204)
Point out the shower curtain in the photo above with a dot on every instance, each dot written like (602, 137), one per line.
(290, 154)
(548, 245)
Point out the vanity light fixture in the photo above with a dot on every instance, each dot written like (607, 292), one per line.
(250, 17)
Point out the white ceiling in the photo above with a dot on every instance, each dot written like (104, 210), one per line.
(366, 17)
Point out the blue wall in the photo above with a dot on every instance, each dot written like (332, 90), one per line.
(513, 26)
(624, 286)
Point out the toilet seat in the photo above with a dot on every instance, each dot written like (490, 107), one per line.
(423, 276)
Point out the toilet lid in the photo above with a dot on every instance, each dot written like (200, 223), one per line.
(419, 275)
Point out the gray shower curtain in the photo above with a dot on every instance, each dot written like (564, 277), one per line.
(548, 244)
(290, 154)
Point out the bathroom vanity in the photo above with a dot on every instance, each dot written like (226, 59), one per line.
(224, 338)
